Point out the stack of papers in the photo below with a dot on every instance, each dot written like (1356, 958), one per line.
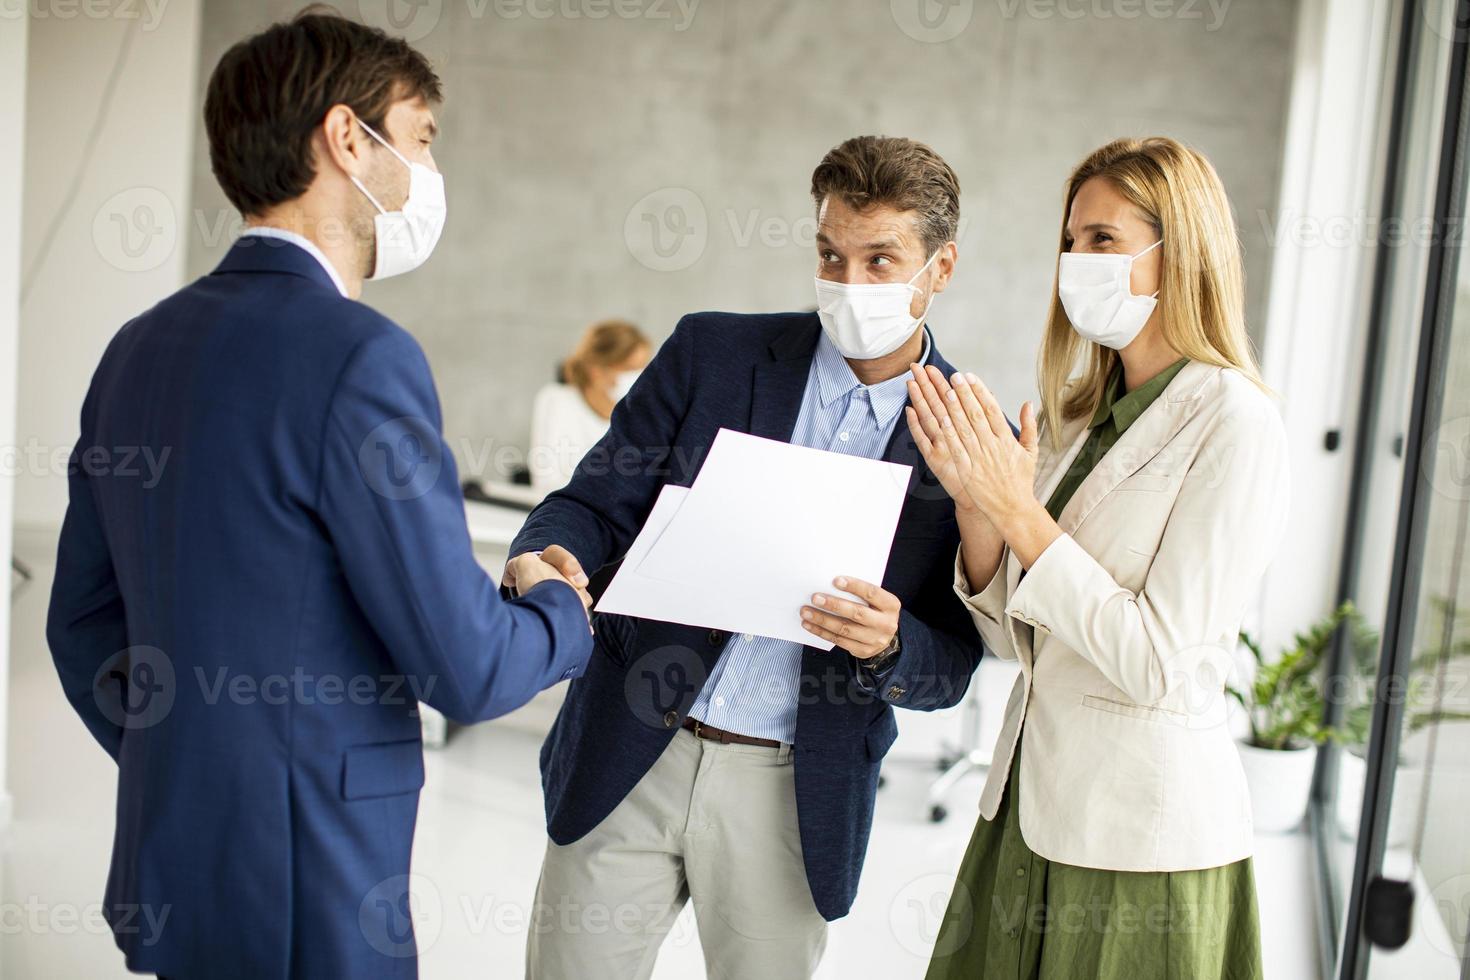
(764, 527)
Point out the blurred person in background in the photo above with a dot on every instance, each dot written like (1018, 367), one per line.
(570, 416)
(1112, 550)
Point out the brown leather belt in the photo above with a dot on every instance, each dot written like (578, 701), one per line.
(713, 734)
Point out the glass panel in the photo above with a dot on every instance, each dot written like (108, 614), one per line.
(1428, 844)
(1407, 240)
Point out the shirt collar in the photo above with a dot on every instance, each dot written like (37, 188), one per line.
(301, 241)
(1126, 407)
(835, 380)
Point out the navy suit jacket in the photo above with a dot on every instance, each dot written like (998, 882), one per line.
(248, 628)
(722, 370)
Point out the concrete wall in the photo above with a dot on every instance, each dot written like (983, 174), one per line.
(655, 160)
(105, 189)
(12, 120)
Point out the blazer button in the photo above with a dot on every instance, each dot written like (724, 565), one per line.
(715, 637)
(671, 719)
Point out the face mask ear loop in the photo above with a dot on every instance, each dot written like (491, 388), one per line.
(1141, 255)
(386, 145)
(368, 194)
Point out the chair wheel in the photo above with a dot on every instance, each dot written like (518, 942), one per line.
(937, 814)
(944, 762)
(882, 781)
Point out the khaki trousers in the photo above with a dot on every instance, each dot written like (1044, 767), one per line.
(711, 823)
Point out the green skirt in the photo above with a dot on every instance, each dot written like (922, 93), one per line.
(1017, 916)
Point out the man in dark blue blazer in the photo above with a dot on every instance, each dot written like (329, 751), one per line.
(739, 772)
(249, 633)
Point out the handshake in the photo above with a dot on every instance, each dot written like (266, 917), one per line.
(555, 564)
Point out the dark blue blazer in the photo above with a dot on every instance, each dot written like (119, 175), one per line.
(248, 628)
(722, 370)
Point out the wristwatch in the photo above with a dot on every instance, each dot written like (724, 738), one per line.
(886, 658)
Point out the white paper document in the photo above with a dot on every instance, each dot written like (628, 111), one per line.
(764, 527)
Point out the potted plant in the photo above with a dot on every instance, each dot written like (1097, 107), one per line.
(1285, 706)
(1422, 710)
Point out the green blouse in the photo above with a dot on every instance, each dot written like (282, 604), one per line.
(1116, 412)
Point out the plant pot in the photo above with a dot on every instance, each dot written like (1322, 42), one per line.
(1280, 782)
(1408, 783)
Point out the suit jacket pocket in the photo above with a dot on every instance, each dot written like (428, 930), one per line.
(881, 736)
(1129, 709)
(385, 769)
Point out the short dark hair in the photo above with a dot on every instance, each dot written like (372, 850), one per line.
(270, 92)
(866, 171)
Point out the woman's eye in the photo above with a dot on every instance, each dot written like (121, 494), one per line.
(829, 257)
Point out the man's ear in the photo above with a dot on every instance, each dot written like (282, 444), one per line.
(343, 142)
(949, 254)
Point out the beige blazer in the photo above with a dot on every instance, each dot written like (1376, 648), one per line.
(1125, 630)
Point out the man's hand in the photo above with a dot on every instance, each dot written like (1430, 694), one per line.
(864, 629)
(524, 571)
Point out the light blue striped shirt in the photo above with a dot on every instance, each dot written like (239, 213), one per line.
(753, 688)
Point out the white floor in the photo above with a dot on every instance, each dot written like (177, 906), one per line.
(480, 839)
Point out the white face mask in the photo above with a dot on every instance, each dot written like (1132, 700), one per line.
(1095, 292)
(623, 383)
(868, 320)
(406, 237)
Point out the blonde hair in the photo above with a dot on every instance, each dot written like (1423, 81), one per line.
(1202, 286)
(605, 344)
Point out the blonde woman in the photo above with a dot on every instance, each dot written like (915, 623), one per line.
(1111, 550)
(569, 418)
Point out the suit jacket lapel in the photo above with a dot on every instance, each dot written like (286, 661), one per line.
(779, 383)
(1144, 440)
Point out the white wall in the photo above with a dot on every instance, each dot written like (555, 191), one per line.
(576, 145)
(1322, 262)
(12, 120)
(102, 222)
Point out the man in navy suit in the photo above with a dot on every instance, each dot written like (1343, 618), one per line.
(249, 636)
(739, 771)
